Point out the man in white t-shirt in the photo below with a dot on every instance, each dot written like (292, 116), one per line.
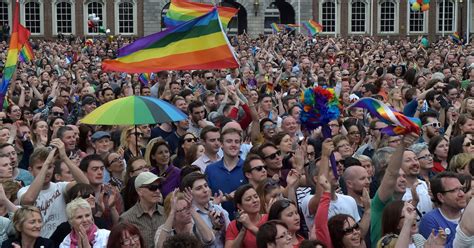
(44, 194)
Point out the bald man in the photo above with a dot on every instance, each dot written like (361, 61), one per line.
(356, 179)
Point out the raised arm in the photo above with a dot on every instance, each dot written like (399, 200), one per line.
(29, 197)
(391, 173)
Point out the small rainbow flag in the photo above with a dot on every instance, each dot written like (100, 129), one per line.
(199, 44)
(181, 11)
(26, 53)
(144, 78)
(291, 26)
(398, 123)
(456, 38)
(276, 27)
(313, 28)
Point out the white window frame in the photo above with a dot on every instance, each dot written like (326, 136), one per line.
(366, 28)
(73, 16)
(41, 13)
(425, 21)
(396, 16)
(9, 12)
(338, 14)
(86, 15)
(455, 16)
(135, 15)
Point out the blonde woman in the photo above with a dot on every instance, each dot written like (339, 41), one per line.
(28, 222)
(129, 142)
(395, 99)
(467, 106)
(459, 163)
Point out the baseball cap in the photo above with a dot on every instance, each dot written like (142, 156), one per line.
(145, 178)
(99, 135)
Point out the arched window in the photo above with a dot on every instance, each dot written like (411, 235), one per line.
(388, 16)
(32, 16)
(417, 21)
(449, 12)
(96, 7)
(4, 12)
(327, 13)
(126, 17)
(272, 15)
(64, 17)
(358, 16)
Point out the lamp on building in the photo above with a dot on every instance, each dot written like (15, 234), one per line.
(256, 6)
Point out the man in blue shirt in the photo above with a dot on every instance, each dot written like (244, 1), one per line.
(448, 193)
(226, 174)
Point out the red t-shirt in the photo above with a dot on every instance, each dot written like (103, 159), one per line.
(250, 240)
(437, 167)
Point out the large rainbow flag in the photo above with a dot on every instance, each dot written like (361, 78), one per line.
(18, 37)
(398, 123)
(313, 28)
(181, 11)
(199, 44)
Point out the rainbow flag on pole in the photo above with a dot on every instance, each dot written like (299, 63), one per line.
(18, 37)
(276, 27)
(199, 44)
(313, 28)
(144, 78)
(181, 11)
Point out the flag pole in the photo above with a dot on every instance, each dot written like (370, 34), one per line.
(468, 25)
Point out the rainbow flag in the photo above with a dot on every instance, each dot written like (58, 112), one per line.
(313, 28)
(291, 27)
(181, 11)
(145, 78)
(276, 27)
(398, 123)
(18, 37)
(199, 44)
(26, 53)
(456, 38)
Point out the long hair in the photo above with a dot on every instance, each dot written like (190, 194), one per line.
(336, 225)
(117, 233)
(391, 217)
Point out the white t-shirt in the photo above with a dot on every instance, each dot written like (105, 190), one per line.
(425, 205)
(344, 204)
(52, 205)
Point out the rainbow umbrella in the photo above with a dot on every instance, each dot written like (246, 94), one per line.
(134, 110)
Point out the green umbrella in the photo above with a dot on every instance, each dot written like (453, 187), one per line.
(134, 110)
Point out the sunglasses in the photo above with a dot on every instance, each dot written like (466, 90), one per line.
(259, 168)
(191, 139)
(471, 143)
(86, 195)
(272, 126)
(57, 113)
(151, 187)
(434, 124)
(273, 155)
(136, 134)
(351, 229)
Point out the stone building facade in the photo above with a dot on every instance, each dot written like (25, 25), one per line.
(386, 18)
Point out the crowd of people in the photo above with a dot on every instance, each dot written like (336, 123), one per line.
(242, 170)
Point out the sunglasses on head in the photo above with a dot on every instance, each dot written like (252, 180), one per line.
(86, 195)
(273, 155)
(151, 187)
